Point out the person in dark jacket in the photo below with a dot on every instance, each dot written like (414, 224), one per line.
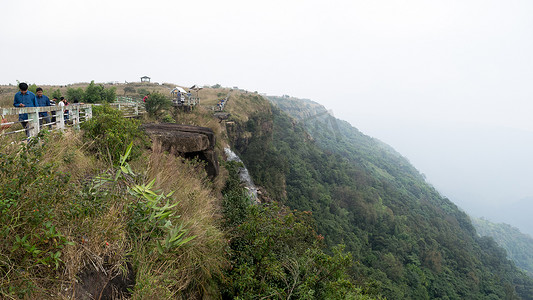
(43, 100)
(24, 98)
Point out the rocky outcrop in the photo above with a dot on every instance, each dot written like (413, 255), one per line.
(187, 141)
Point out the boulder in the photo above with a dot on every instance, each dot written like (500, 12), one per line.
(187, 141)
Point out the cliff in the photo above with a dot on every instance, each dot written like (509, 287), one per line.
(411, 241)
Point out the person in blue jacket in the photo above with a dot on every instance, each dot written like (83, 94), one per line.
(24, 98)
(43, 100)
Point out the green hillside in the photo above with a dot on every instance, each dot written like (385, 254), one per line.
(106, 213)
(519, 246)
(410, 241)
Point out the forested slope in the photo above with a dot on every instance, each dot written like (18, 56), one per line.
(519, 246)
(410, 241)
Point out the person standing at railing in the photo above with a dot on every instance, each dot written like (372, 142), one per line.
(43, 100)
(24, 98)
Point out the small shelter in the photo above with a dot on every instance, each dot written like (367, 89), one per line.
(145, 79)
(179, 95)
(197, 89)
(177, 89)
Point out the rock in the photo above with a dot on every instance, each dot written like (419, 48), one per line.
(187, 141)
(103, 283)
(222, 115)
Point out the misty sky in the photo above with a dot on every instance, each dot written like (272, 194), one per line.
(447, 83)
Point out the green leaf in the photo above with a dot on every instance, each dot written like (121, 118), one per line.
(127, 154)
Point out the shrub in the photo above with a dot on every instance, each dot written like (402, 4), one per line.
(98, 94)
(109, 134)
(75, 95)
(168, 119)
(156, 104)
(129, 90)
(142, 92)
(56, 93)
(32, 247)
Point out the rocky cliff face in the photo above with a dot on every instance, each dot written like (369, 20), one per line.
(187, 141)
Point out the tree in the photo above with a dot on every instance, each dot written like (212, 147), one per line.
(156, 103)
(98, 94)
(109, 95)
(93, 93)
(75, 95)
(56, 94)
(143, 92)
(33, 88)
(129, 90)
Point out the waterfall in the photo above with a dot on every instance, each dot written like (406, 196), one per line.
(244, 175)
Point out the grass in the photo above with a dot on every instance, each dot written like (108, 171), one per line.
(192, 271)
(92, 223)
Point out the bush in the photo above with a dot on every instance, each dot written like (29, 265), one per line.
(32, 247)
(75, 95)
(142, 92)
(110, 133)
(129, 90)
(98, 94)
(56, 94)
(156, 104)
(168, 119)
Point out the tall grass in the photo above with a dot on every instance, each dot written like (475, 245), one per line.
(51, 203)
(193, 271)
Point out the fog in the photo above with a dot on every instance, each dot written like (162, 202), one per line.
(447, 83)
(485, 170)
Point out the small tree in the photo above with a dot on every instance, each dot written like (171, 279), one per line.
(98, 93)
(142, 92)
(75, 95)
(109, 95)
(33, 88)
(156, 104)
(129, 90)
(56, 94)
(93, 93)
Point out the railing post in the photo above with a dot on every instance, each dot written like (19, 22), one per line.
(76, 117)
(34, 123)
(60, 118)
(88, 112)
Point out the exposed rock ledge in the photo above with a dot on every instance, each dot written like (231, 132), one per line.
(187, 141)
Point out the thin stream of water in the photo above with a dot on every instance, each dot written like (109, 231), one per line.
(244, 175)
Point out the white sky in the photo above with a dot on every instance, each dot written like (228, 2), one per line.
(413, 73)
